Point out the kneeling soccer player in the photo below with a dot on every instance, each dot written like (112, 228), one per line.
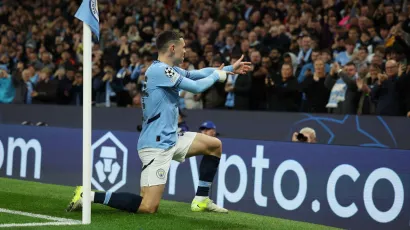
(159, 142)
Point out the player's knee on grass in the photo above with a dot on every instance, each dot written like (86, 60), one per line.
(148, 208)
(151, 199)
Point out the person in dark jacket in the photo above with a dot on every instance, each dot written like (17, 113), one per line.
(344, 95)
(76, 91)
(65, 83)
(258, 92)
(45, 91)
(366, 80)
(405, 92)
(284, 95)
(238, 87)
(314, 87)
(388, 90)
(214, 97)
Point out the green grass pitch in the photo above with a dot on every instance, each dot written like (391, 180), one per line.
(51, 200)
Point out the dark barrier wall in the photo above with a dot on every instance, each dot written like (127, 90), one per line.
(370, 131)
(344, 186)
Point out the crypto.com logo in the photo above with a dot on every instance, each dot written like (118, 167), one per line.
(106, 163)
(261, 164)
(19, 145)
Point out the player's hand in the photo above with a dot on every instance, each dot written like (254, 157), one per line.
(227, 72)
(295, 137)
(240, 67)
(382, 77)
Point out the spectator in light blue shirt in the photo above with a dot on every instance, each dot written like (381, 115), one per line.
(135, 67)
(305, 51)
(7, 90)
(346, 56)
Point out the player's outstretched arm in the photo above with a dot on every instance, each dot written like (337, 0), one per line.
(201, 73)
(203, 84)
(239, 67)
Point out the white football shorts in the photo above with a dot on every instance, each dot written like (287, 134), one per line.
(156, 162)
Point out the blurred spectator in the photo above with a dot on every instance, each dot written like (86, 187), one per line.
(305, 50)
(76, 91)
(6, 86)
(214, 97)
(45, 91)
(268, 33)
(309, 68)
(119, 83)
(314, 87)
(106, 96)
(346, 56)
(390, 89)
(22, 85)
(46, 61)
(258, 75)
(191, 100)
(374, 36)
(208, 128)
(283, 95)
(360, 58)
(238, 87)
(276, 39)
(135, 67)
(136, 99)
(64, 85)
(276, 63)
(366, 104)
(344, 95)
(306, 134)
(230, 48)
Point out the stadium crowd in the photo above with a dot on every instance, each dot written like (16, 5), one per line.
(321, 56)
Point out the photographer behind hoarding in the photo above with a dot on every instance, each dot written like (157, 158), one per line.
(208, 128)
(306, 134)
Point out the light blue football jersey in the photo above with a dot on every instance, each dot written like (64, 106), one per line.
(160, 97)
(160, 107)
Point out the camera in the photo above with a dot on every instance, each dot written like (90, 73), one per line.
(301, 137)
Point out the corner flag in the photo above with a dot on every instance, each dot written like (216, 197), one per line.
(88, 13)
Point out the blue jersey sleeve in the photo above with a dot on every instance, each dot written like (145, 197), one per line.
(200, 85)
(163, 76)
(201, 73)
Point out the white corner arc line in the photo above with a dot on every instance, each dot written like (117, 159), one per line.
(40, 224)
(59, 219)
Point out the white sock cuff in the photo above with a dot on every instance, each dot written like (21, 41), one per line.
(222, 75)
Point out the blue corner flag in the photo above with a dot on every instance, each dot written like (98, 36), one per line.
(88, 13)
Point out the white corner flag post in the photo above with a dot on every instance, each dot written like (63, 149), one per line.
(88, 14)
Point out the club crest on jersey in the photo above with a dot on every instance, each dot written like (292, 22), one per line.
(171, 73)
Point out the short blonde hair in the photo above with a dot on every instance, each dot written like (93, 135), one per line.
(308, 130)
